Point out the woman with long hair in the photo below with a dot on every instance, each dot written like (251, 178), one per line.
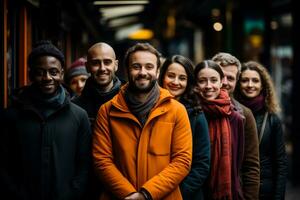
(255, 90)
(176, 75)
(226, 133)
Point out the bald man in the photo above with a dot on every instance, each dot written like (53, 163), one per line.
(103, 84)
(100, 87)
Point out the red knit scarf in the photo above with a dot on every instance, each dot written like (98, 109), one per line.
(217, 112)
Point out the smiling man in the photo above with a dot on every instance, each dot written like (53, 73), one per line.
(103, 84)
(99, 88)
(142, 141)
(46, 138)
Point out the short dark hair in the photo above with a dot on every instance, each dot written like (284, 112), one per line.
(141, 47)
(45, 48)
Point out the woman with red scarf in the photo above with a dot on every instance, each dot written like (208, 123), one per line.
(255, 90)
(226, 133)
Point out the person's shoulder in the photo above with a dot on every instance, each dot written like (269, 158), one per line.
(109, 102)
(274, 117)
(122, 80)
(174, 105)
(77, 99)
(82, 101)
(201, 115)
(248, 114)
(245, 109)
(76, 108)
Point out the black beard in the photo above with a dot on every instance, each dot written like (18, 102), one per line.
(132, 87)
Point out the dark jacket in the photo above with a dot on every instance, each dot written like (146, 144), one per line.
(45, 156)
(250, 171)
(192, 186)
(273, 159)
(92, 98)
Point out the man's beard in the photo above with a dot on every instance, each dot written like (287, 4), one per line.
(132, 86)
(103, 85)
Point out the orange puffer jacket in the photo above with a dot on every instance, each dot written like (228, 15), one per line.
(156, 157)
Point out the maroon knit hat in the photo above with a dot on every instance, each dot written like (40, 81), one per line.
(76, 68)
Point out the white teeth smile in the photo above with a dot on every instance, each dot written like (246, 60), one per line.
(174, 88)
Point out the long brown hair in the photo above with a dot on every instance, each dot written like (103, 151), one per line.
(189, 94)
(268, 88)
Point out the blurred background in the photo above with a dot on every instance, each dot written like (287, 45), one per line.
(262, 30)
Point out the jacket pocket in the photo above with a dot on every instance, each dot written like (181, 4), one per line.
(160, 138)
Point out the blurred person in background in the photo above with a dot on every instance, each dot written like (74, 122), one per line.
(76, 77)
(255, 90)
(177, 76)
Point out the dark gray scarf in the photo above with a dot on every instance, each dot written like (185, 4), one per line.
(48, 105)
(141, 109)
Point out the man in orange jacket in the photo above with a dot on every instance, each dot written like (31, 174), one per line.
(142, 143)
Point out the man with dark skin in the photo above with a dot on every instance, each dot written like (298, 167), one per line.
(46, 139)
(250, 172)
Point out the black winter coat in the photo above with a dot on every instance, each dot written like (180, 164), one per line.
(91, 98)
(192, 187)
(273, 159)
(44, 158)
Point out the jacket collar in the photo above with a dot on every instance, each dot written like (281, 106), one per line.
(121, 109)
(91, 90)
(119, 100)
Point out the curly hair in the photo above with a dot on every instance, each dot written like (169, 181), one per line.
(268, 88)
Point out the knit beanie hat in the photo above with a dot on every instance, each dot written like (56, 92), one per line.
(45, 48)
(76, 68)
